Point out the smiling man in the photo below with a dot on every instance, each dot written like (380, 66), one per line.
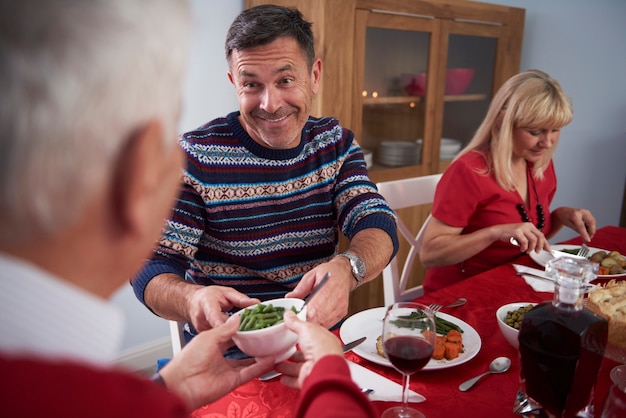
(266, 192)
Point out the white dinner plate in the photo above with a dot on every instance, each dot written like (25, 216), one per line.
(543, 257)
(369, 323)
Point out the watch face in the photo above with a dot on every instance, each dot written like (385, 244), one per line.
(358, 267)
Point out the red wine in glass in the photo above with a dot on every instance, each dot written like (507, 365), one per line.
(408, 341)
(408, 354)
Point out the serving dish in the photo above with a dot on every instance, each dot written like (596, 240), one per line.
(510, 333)
(276, 340)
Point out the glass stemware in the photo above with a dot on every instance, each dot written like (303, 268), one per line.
(409, 336)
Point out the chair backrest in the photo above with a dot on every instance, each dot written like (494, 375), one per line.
(400, 194)
(177, 335)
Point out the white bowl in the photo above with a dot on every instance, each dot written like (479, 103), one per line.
(510, 333)
(277, 340)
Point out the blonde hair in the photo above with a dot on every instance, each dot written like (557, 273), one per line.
(531, 99)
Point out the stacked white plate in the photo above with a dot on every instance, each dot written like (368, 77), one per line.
(369, 158)
(448, 148)
(399, 153)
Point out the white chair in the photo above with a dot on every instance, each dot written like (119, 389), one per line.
(402, 194)
(177, 335)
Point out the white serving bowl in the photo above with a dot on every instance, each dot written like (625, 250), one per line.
(277, 340)
(510, 333)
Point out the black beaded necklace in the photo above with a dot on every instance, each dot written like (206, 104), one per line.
(521, 208)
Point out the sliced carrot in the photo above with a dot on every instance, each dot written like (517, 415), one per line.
(439, 351)
(451, 350)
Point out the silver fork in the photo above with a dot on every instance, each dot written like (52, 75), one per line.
(434, 307)
(584, 250)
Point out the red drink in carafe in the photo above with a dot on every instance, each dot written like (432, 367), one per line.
(561, 346)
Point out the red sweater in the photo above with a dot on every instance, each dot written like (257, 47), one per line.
(330, 392)
(39, 388)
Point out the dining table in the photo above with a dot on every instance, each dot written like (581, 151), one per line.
(493, 396)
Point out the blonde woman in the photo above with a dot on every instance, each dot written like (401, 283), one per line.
(501, 184)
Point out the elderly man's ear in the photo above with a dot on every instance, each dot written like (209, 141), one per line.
(146, 179)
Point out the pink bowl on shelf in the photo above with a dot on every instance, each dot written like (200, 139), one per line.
(458, 80)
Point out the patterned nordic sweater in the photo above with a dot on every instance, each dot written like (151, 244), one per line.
(257, 219)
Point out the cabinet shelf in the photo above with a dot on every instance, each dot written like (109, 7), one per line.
(376, 101)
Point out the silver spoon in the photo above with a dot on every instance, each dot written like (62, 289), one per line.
(498, 365)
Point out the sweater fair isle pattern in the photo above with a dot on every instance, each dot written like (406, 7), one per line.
(257, 219)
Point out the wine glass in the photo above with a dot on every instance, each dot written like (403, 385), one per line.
(409, 336)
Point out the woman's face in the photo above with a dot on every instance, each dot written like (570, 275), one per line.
(531, 144)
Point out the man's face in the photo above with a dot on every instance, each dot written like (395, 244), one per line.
(275, 90)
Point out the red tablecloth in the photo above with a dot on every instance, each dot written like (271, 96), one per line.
(493, 396)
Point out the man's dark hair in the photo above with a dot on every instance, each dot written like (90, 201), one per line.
(263, 24)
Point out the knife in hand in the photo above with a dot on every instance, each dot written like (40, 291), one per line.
(346, 347)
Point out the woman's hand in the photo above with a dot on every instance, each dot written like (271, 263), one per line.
(580, 220)
(526, 235)
(314, 342)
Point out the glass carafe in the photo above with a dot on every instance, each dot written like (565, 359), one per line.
(561, 346)
(615, 402)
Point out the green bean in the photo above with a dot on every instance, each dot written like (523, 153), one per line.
(442, 326)
(262, 316)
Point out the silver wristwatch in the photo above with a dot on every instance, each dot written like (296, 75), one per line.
(357, 265)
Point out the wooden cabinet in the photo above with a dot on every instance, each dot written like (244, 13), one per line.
(385, 74)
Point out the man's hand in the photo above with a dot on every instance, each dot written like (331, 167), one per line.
(330, 305)
(207, 305)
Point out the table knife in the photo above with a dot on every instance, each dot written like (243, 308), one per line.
(346, 347)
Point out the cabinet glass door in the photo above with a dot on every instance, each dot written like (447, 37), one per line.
(469, 84)
(394, 91)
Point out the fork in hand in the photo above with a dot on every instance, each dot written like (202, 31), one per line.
(584, 250)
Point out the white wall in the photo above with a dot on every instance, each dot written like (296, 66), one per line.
(208, 94)
(579, 42)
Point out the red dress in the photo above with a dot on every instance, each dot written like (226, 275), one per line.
(471, 200)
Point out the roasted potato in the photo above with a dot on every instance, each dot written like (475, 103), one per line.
(598, 256)
(610, 263)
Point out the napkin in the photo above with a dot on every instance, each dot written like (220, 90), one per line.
(384, 389)
(535, 278)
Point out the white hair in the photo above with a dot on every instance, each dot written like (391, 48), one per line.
(76, 79)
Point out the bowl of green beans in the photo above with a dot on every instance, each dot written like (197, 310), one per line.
(262, 331)
(509, 318)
